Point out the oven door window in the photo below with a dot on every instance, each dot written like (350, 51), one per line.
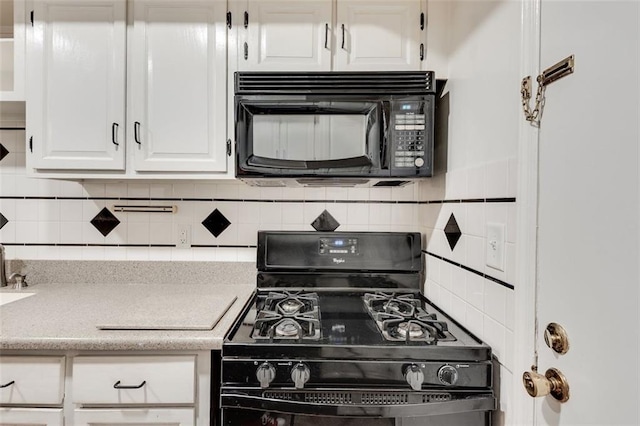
(310, 135)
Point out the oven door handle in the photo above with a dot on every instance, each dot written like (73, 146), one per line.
(480, 402)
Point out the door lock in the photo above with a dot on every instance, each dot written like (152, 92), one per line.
(552, 383)
(555, 336)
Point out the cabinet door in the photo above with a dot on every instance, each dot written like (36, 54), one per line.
(12, 50)
(178, 68)
(76, 90)
(137, 417)
(287, 35)
(31, 416)
(378, 35)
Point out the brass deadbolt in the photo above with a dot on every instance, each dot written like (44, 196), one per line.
(555, 336)
(552, 383)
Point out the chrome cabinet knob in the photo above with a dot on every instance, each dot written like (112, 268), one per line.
(414, 376)
(300, 375)
(265, 374)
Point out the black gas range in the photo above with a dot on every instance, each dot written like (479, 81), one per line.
(339, 333)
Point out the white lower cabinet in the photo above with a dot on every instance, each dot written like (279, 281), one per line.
(26, 384)
(135, 416)
(100, 389)
(31, 416)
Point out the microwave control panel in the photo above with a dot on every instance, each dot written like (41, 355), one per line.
(409, 126)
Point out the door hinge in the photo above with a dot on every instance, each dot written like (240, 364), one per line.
(422, 21)
(31, 143)
(31, 17)
(246, 19)
(246, 51)
(228, 147)
(422, 51)
(229, 19)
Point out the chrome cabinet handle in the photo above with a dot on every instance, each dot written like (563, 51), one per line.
(7, 384)
(136, 132)
(117, 385)
(326, 36)
(342, 36)
(114, 134)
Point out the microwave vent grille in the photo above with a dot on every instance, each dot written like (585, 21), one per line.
(339, 83)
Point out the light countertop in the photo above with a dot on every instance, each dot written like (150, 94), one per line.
(66, 315)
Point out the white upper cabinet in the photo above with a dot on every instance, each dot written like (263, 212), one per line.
(177, 103)
(76, 92)
(12, 45)
(137, 92)
(287, 34)
(379, 34)
(326, 35)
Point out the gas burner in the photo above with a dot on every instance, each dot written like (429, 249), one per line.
(288, 328)
(401, 317)
(414, 330)
(290, 306)
(288, 315)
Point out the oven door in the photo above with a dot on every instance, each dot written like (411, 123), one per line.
(242, 407)
(303, 137)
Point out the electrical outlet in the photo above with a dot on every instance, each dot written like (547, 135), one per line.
(495, 246)
(184, 236)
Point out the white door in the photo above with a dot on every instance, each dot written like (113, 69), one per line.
(177, 117)
(31, 416)
(286, 35)
(76, 90)
(588, 215)
(379, 35)
(135, 417)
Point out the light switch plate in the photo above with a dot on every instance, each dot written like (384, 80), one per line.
(495, 246)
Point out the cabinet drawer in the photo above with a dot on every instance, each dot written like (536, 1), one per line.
(31, 416)
(31, 380)
(135, 417)
(134, 379)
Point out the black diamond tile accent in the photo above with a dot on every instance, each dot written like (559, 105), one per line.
(216, 223)
(3, 220)
(452, 231)
(105, 221)
(325, 222)
(3, 152)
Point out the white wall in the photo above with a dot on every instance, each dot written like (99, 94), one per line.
(478, 51)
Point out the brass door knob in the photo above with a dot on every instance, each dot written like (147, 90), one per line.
(552, 383)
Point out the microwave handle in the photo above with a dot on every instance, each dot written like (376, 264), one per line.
(384, 144)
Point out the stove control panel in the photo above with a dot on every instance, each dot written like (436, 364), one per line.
(341, 246)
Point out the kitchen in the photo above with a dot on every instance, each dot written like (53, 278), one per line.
(466, 43)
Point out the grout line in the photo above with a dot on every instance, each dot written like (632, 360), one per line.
(466, 268)
(122, 245)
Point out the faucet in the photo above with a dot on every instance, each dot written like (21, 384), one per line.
(17, 279)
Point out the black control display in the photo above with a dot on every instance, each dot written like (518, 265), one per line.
(338, 246)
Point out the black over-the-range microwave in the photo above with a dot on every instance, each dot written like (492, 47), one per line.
(334, 128)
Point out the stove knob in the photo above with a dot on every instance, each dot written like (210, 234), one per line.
(265, 374)
(414, 376)
(300, 375)
(448, 375)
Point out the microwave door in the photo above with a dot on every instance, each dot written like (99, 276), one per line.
(312, 137)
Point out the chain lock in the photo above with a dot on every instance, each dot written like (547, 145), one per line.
(532, 116)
